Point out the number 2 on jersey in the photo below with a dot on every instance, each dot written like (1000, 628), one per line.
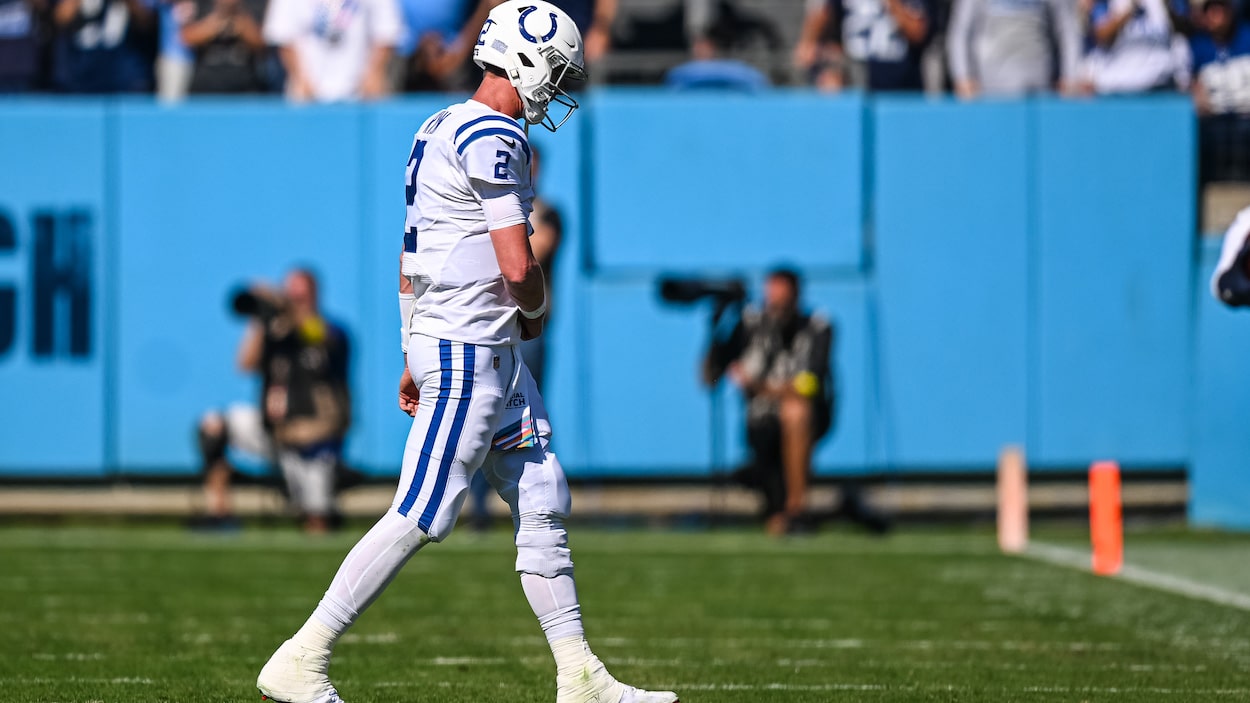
(501, 168)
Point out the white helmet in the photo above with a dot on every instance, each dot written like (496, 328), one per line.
(538, 47)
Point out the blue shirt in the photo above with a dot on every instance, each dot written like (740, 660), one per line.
(171, 32)
(1207, 51)
(725, 74)
(1224, 70)
(443, 17)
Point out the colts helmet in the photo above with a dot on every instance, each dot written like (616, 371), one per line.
(538, 47)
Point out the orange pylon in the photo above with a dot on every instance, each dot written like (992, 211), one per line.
(1106, 523)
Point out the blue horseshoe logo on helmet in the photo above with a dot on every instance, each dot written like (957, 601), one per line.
(530, 37)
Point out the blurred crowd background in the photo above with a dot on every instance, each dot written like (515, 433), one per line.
(341, 50)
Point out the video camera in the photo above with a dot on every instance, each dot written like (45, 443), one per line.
(726, 294)
(723, 291)
(262, 305)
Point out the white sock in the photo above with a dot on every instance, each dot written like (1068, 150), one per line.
(365, 573)
(554, 602)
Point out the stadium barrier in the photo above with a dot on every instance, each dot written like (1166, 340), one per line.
(1018, 272)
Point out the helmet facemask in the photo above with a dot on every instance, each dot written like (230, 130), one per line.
(537, 100)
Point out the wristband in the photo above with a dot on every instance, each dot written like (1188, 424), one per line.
(406, 302)
(535, 313)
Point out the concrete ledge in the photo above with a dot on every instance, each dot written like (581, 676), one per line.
(664, 501)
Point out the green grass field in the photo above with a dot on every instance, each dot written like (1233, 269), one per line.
(147, 614)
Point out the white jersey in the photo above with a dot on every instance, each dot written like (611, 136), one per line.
(458, 154)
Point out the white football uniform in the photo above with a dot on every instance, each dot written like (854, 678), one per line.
(478, 406)
(457, 154)
(468, 174)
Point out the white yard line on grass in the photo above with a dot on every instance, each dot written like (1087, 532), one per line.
(1120, 690)
(47, 680)
(1076, 559)
(755, 643)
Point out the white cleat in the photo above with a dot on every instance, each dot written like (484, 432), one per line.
(593, 684)
(295, 674)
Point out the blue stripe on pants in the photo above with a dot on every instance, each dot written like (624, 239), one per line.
(453, 441)
(431, 433)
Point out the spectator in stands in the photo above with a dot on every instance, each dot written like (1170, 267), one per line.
(1013, 47)
(440, 35)
(709, 69)
(19, 44)
(1137, 48)
(875, 45)
(780, 357)
(305, 408)
(105, 46)
(594, 20)
(1222, 92)
(175, 63)
(228, 47)
(334, 50)
(438, 41)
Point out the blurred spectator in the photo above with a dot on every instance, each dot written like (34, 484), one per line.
(438, 41)
(709, 69)
(227, 43)
(440, 35)
(105, 46)
(872, 44)
(334, 50)
(780, 357)
(175, 62)
(1137, 48)
(1222, 93)
(594, 19)
(19, 44)
(1013, 47)
(305, 406)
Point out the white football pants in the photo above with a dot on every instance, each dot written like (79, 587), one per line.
(466, 391)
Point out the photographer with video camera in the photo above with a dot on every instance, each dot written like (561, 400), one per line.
(780, 356)
(305, 405)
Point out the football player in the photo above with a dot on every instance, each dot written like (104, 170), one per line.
(470, 292)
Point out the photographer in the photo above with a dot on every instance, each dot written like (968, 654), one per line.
(780, 358)
(305, 406)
